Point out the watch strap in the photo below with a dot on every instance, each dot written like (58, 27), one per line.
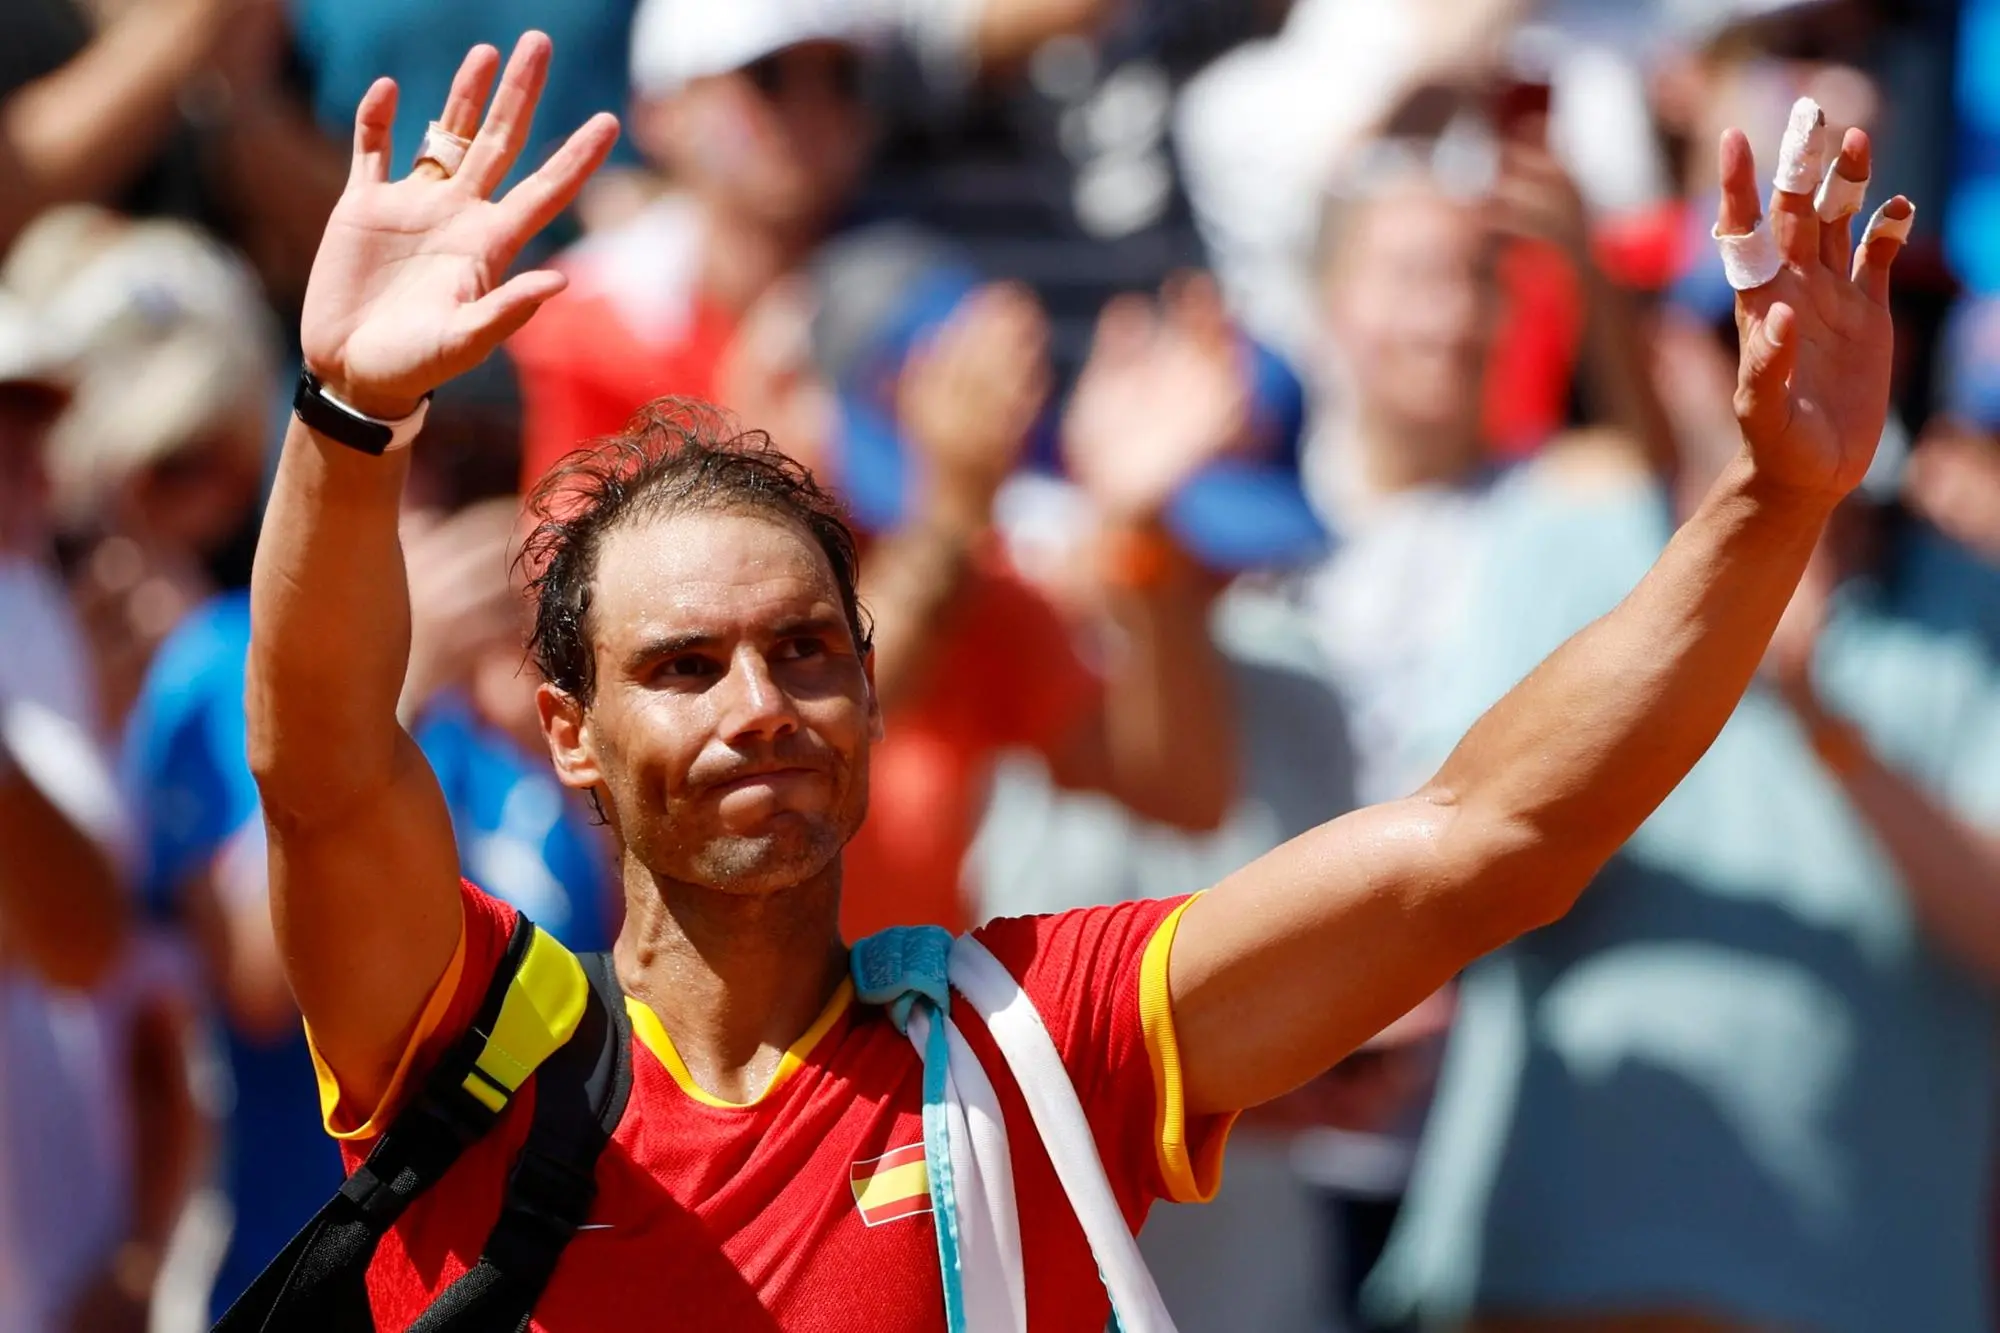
(325, 414)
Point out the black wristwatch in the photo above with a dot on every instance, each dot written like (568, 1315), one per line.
(326, 415)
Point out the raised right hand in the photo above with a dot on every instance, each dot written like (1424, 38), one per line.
(406, 290)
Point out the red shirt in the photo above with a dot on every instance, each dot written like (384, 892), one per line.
(807, 1208)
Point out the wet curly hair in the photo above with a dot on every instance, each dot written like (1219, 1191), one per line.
(676, 455)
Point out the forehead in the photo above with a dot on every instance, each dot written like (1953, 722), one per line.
(713, 572)
(1412, 222)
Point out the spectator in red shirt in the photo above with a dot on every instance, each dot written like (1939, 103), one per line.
(752, 111)
(940, 382)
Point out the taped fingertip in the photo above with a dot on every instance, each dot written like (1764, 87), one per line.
(1802, 154)
(1883, 226)
(1839, 198)
(1749, 259)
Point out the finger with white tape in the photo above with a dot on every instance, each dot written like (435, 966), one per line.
(1802, 153)
(1839, 198)
(1749, 259)
(1884, 225)
(1881, 241)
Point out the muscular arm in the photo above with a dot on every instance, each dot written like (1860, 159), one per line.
(1365, 916)
(406, 293)
(364, 880)
(1292, 962)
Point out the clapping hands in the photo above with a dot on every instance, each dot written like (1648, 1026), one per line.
(1167, 391)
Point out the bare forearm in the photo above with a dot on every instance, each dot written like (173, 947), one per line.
(330, 603)
(61, 908)
(910, 583)
(1563, 769)
(80, 132)
(1622, 381)
(1169, 720)
(1950, 869)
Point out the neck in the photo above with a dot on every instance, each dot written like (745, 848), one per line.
(742, 256)
(736, 979)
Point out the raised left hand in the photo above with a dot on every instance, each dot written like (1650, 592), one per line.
(1813, 380)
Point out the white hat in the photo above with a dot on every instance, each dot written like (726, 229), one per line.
(676, 41)
(169, 338)
(31, 351)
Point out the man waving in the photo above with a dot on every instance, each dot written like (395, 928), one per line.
(707, 680)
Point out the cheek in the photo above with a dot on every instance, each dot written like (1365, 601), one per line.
(647, 745)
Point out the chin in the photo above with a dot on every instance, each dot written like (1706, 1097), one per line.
(763, 864)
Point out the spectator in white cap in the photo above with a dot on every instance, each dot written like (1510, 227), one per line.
(752, 110)
(156, 464)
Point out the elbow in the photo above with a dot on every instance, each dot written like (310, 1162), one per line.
(1515, 874)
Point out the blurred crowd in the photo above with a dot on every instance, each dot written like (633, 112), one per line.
(1233, 397)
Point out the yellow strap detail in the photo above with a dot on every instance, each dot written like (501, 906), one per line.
(543, 1006)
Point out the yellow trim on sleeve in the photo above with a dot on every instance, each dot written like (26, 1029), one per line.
(1189, 1179)
(653, 1035)
(427, 1024)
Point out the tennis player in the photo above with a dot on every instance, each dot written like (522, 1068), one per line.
(707, 680)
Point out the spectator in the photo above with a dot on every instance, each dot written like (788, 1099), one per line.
(165, 107)
(156, 464)
(752, 110)
(1398, 462)
(204, 866)
(91, 1024)
(940, 382)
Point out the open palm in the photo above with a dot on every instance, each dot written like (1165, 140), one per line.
(1165, 393)
(1813, 383)
(409, 286)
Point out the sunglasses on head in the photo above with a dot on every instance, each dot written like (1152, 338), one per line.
(782, 72)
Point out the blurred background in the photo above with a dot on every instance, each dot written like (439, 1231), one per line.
(1234, 398)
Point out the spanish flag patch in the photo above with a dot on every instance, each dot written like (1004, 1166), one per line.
(892, 1186)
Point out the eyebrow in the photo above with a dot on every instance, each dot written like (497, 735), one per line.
(655, 647)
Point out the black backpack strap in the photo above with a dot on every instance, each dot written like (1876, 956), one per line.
(318, 1283)
(580, 1096)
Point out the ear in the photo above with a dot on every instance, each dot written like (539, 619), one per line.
(566, 727)
(875, 729)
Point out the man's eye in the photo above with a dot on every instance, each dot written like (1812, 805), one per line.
(794, 649)
(687, 667)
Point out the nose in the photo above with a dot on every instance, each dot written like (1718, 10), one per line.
(754, 705)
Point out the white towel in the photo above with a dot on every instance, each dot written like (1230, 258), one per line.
(989, 1229)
